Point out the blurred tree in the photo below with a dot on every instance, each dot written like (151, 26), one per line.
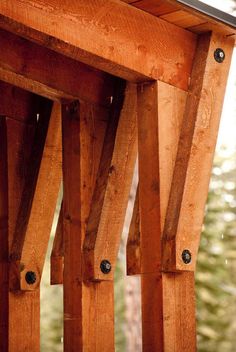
(216, 269)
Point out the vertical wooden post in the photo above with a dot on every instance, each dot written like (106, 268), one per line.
(88, 306)
(18, 134)
(168, 299)
(3, 237)
(162, 295)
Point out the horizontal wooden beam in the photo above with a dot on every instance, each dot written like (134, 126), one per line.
(47, 73)
(106, 34)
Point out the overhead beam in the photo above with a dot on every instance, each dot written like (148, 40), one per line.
(50, 74)
(106, 34)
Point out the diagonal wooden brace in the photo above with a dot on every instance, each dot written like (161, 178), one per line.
(28, 252)
(189, 189)
(111, 193)
(206, 45)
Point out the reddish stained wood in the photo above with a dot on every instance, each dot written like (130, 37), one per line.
(59, 78)
(181, 15)
(113, 184)
(167, 299)
(25, 103)
(171, 103)
(168, 312)
(29, 251)
(133, 45)
(149, 193)
(57, 255)
(23, 307)
(4, 308)
(88, 322)
(157, 7)
(195, 154)
(183, 19)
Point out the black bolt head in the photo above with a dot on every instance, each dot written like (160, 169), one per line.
(186, 256)
(219, 55)
(105, 266)
(30, 277)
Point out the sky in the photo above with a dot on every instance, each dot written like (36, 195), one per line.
(227, 132)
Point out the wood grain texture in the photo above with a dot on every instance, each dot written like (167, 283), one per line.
(88, 306)
(183, 19)
(4, 307)
(167, 300)
(25, 107)
(23, 307)
(195, 154)
(113, 184)
(182, 15)
(57, 254)
(60, 78)
(168, 312)
(171, 103)
(129, 43)
(149, 178)
(28, 252)
(157, 8)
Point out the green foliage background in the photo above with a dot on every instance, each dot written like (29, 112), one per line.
(215, 277)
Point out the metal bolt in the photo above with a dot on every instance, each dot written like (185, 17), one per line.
(186, 256)
(105, 266)
(30, 277)
(219, 55)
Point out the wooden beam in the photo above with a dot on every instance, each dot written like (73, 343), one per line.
(28, 252)
(196, 148)
(4, 308)
(110, 198)
(20, 133)
(131, 44)
(57, 254)
(25, 107)
(47, 73)
(88, 306)
(167, 299)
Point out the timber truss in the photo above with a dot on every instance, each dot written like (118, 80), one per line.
(86, 87)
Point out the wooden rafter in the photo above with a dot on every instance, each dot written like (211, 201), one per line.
(134, 45)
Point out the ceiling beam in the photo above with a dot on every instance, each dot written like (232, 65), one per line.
(40, 70)
(106, 34)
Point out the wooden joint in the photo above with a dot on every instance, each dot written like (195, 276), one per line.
(35, 218)
(112, 188)
(189, 188)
